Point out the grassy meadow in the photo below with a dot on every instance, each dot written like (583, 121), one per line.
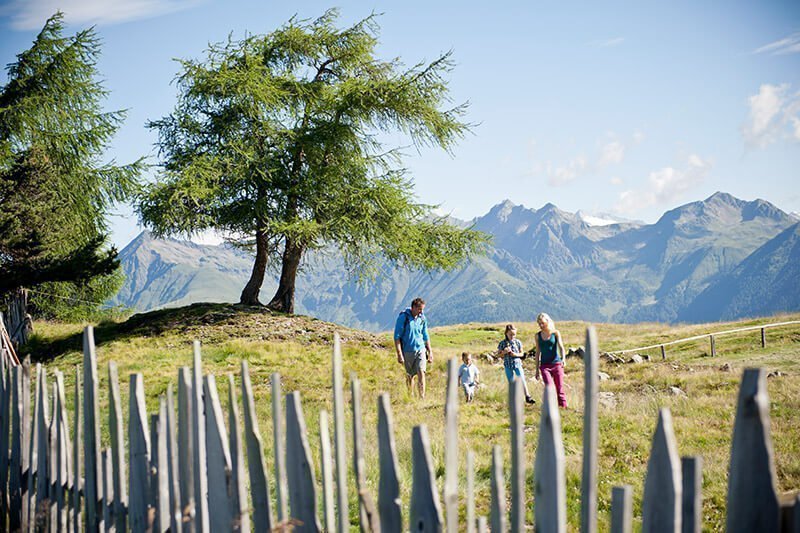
(299, 348)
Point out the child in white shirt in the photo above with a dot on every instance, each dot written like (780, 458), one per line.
(468, 376)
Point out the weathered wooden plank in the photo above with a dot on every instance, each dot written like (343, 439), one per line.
(241, 516)
(278, 448)
(343, 516)
(450, 490)
(185, 447)
(53, 460)
(550, 512)
(30, 512)
(18, 437)
(5, 426)
(482, 525)
(327, 472)
(517, 421)
(40, 482)
(389, 506)
(92, 486)
(661, 504)
(621, 509)
(425, 514)
(763, 337)
(175, 518)
(368, 519)
(752, 495)
(713, 346)
(692, 499)
(64, 463)
(199, 445)
(259, 486)
(470, 491)
(498, 509)
(300, 469)
(77, 470)
(139, 441)
(663, 353)
(107, 502)
(160, 460)
(219, 461)
(590, 431)
(116, 431)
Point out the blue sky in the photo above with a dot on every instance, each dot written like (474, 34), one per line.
(624, 107)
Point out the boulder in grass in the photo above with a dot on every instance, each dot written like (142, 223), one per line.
(602, 376)
(675, 391)
(607, 399)
(636, 358)
(726, 368)
(576, 352)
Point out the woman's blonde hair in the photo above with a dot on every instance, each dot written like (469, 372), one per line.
(544, 317)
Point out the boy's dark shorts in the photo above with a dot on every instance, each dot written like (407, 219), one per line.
(415, 362)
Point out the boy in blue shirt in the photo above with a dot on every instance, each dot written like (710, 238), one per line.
(413, 344)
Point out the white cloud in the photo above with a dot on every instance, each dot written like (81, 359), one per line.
(31, 14)
(567, 173)
(616, 181)
(773, 113)
(611, 153)
(787, 45)
(665, 185)
(607, 43)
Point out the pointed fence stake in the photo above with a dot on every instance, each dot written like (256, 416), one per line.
(185, 447)
(259, 486)
(368, 519)
(77, 471)
(663, 487)
(692, 504)
(450, 493)
(343, 517)
(326, 468)
(175, 521)
(517, 420)
(752, 495)
(621, 509)
(389, 485)
(470, 491)
(425, 514)
(498, 510)
(139, 440)
(589, 475)
(92, 487)
(199, 445)
(116, 431)
(300, 469)
(241, 514)
(550, 512)
(220, 485)
(278, 448)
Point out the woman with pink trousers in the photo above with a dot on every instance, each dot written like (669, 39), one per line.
(550, 356)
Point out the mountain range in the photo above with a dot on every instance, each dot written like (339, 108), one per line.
(719, 258)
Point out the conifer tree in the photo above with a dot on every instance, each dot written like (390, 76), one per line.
(278, 141)
(55, 189)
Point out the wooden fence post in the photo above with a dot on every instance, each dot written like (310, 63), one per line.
(692, 504)
(589, 474)
(20, 449)
(343, 518)
(482, 525)
(29, 487)
(368, 519)
(621, 509)
(77, 471)
(161, 460)
(470, 491)
(259, 486)
(278, 438)
(763, 337)
(220, 485)
(713, 346)
(450, 493)
(663, 487)
(116, 431)
(53, 460)
(175, 520)
(107, 480)
(64, 465)
(40, 482)
(550, 512)
(517, 420)
(5, 426)
(425, 514)
(199, 443)
(389, 486)
(139, 442)
(498, 509)
(327, 471)
(300, 468)
(185, 447)
(663, 353)
(241, 514)
(752, 496)
(92, 485)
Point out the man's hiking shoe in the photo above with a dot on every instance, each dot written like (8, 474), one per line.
(529, 400)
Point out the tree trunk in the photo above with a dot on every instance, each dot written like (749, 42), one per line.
(250, 292)
(284, 297)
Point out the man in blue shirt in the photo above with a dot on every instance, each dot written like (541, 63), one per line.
(413, 344)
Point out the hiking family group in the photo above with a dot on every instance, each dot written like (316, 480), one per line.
(413, 347)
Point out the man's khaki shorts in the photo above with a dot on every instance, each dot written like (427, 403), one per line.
(415, 362)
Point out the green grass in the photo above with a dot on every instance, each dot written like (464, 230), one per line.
(298, 348)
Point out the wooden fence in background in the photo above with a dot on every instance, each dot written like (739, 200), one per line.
(185, 467)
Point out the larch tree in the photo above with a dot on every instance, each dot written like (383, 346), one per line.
(55, 188)
(277, 141)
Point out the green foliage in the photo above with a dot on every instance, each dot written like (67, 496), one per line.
(276, 141)
(74, 302)
(55, 190)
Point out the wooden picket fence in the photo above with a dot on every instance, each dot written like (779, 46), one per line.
(185, 467)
